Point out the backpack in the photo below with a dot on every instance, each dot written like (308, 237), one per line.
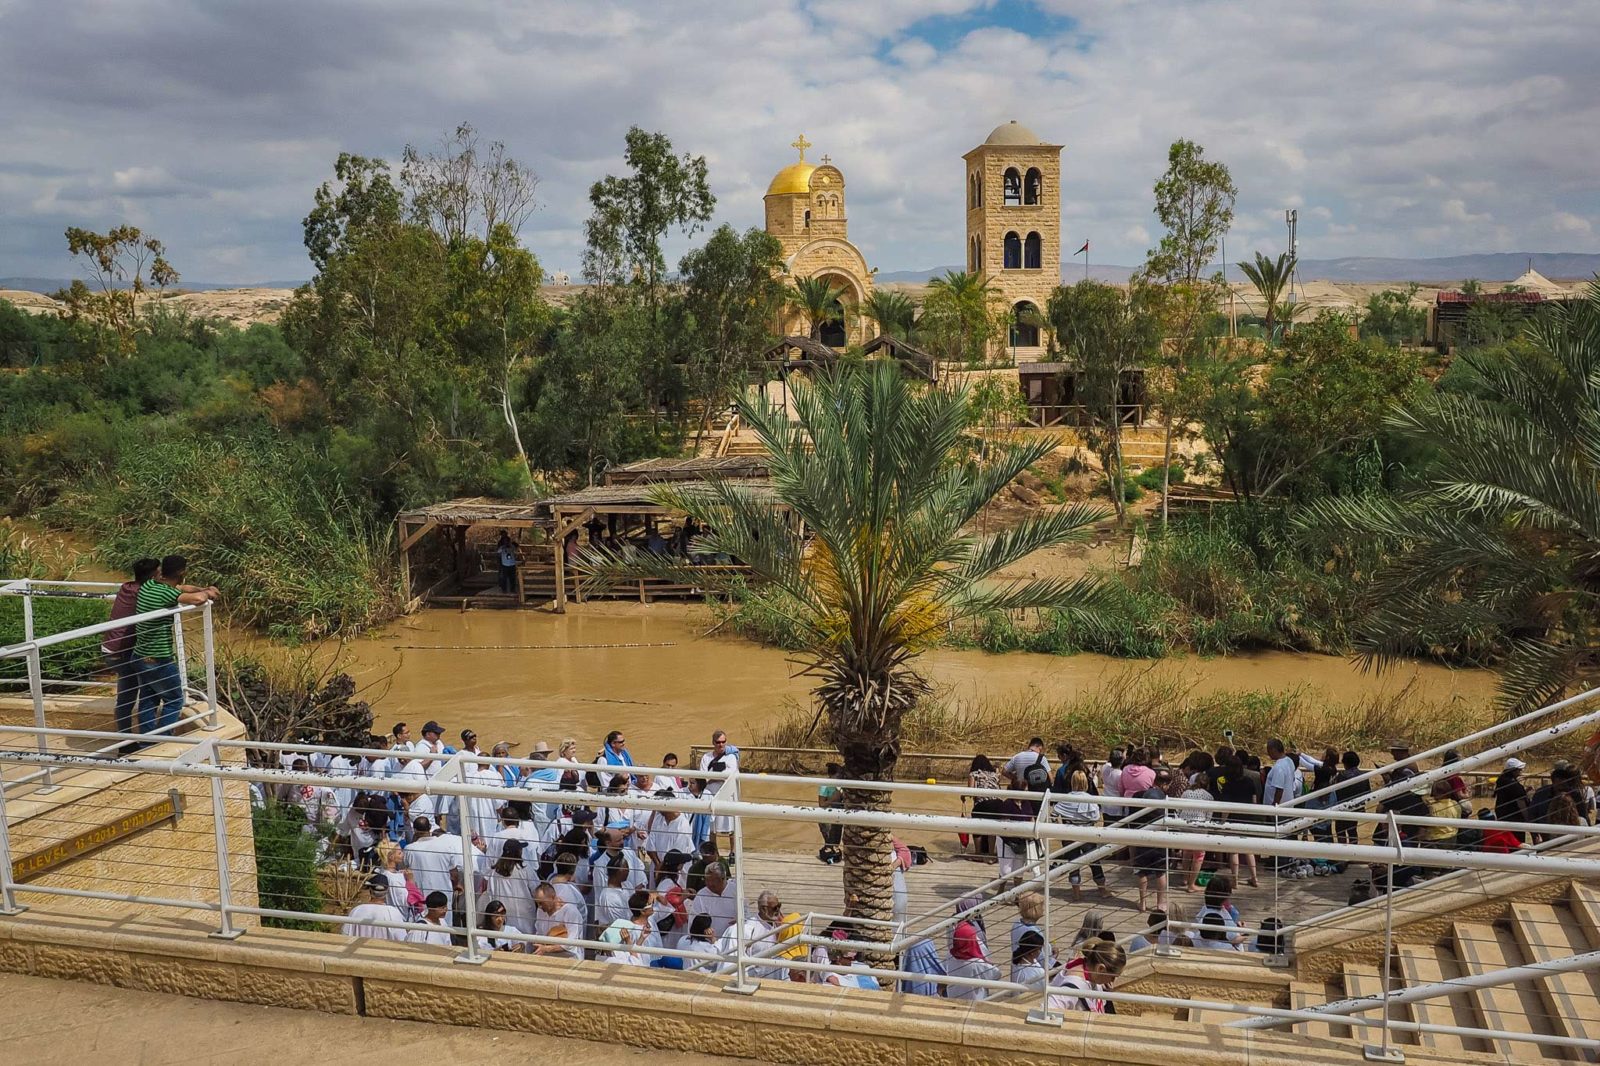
(1037, 776)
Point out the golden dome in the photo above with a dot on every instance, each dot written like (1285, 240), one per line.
(796, 177)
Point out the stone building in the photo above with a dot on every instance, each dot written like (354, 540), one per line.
(1014, 227)
(806, 212)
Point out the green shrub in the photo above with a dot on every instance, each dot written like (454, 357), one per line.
(286, 864)
(268, 523)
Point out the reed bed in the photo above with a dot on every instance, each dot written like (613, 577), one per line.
(1143, 705)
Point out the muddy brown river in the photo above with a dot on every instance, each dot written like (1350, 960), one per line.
(526, 676)
(650, 671)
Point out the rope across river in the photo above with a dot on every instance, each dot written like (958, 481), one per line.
(534, 647)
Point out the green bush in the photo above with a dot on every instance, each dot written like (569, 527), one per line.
(286, 864)
(268, 523)
(1150, 477)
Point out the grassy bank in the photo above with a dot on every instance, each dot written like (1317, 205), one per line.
(1143, 706)
(25, 556)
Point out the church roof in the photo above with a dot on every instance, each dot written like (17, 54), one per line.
(796, 177)
(1012, 132)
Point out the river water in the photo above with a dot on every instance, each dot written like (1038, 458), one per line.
(529, 675)
(649, 670)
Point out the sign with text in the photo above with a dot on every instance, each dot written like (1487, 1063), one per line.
(43, 861)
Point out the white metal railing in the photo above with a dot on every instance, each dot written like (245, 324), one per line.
(1168, 825)
(38, 685)
(222, 762)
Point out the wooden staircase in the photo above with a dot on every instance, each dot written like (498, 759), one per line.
(1563, 1005)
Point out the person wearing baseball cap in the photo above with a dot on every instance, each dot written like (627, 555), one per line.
(1511, 796)
(376, 909)
(431, 749)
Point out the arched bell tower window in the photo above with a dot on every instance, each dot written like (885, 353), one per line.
(1024, 325)
(1033, 187)
(1013, 252)
(807, 222)
(1032, 248)
(1013, 187)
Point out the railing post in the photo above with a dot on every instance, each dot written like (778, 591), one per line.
(27, 609)
(1043, 1015)
(183, 662)
(1278, 959)
(219, 821)
(1385, 1052)
(740, 985)
(469, 872)
(36, 690)
(9, 906)
(212, 720)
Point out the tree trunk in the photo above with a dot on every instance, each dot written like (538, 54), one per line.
(868, 851)
(864, 716)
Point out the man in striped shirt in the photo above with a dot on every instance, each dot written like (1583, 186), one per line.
(160, 680)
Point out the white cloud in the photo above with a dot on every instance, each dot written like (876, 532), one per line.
(1567, 222)
(1432, 127)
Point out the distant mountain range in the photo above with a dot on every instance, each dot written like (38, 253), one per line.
(1490, 266)
(49, 285)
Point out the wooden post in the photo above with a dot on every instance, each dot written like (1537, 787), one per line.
(561, 565)
(405, 563)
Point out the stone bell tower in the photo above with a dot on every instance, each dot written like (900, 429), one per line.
(1014, 226)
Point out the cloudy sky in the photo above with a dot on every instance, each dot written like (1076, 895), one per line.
(1423, 127)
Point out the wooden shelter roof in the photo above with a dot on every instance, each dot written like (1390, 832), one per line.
(812, 350)
(627, 499)
(698, 469)
(908, 354)
(469, 510)
(1043, 368)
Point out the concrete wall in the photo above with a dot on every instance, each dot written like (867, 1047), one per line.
(623, 1005)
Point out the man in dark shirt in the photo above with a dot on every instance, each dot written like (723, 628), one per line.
(1349, 790)
(160, 680)
(117, 647)
(1511, 796)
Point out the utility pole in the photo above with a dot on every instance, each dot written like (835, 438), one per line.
(1291, 218)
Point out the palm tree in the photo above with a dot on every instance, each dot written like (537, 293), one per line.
(1500, 544)
(894, 313)
(960, 309)
(1271, 277)
(968, 288)
(870, 466)
(819, 300)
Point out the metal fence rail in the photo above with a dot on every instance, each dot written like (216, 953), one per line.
(221, 762)
(1058, 849)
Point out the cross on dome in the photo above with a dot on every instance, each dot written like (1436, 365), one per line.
(802, 144)
(826, 159)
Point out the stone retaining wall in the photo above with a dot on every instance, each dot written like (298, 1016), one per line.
(784, 1023)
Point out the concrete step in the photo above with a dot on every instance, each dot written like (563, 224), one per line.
(1513, 1008)
(1544, 933)
(1421, 964)
(1362, 981)
(1303, 994)
(1584, 902)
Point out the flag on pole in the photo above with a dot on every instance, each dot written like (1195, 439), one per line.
(1085, 248)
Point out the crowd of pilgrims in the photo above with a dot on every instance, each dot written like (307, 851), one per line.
(639, 880)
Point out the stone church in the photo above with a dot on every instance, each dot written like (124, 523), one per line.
(805, 211)
(1013, 214)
